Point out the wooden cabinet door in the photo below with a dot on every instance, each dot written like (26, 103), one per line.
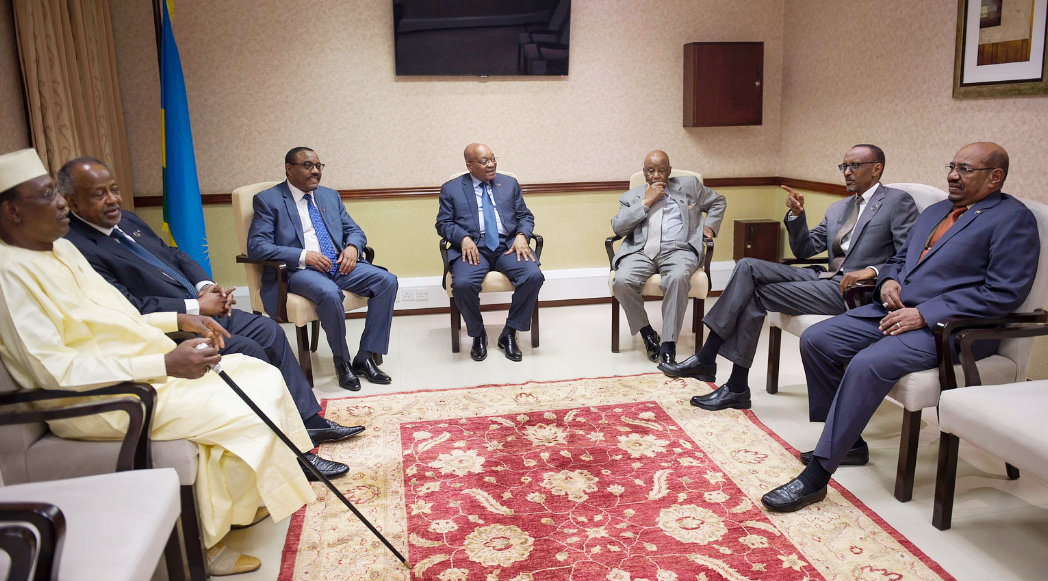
(723, 83)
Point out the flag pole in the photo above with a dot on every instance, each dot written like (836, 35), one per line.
(158, 29)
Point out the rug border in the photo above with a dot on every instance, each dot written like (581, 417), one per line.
(289, 556)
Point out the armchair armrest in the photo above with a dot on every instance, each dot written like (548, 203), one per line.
(610, 248)
(708, 258)
(21, 524)
(135, 450)
(806, 261)
(282, 277)
(968, 336)
(859, 293)
(945, 330)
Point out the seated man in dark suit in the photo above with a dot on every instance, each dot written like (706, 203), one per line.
(306, 226)
(483, 216)
(156, 277)
(972, 255)
(859, 232)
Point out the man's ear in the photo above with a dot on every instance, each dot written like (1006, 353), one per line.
(10, 212)
(71, 202)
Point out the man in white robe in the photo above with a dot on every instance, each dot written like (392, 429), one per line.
(62, 326)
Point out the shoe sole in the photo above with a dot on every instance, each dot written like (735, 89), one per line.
(699, 376)
(350, 387)
(475, 358)
(794, 507)
(717, 408)
(844, 462)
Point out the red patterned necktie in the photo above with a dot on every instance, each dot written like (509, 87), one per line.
(945, 225)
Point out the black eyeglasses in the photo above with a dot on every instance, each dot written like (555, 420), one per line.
(308, 165)
(965, 170)
(485, 161)
(855, 165)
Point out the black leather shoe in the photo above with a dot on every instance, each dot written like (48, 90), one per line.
(790, 497)
(328, 468)
(668, 359)
(479, 352)
(508, 343)
(332, 433)
(722, 398)
(652, 346)
(346, 378)
(857, 456)
(690, 367)
(369, 371)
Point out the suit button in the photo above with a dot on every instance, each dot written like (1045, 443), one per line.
(907, 281)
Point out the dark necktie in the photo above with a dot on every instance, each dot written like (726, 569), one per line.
(491, 226)
(838, 249)
(945, 225)
(323, 236)
(143, 253)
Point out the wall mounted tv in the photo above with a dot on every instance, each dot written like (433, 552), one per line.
(482, 37)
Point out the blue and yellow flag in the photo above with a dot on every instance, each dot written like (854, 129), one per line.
(183, 210)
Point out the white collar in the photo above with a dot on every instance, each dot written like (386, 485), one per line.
(106, 231)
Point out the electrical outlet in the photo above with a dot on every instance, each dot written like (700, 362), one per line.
(422, 294)
(407, 294)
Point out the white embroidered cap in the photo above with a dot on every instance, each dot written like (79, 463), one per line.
(19, 167)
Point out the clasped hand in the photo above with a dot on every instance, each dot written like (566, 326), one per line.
(186, 360)
(899, 318)
(216, 301)
(471, 254)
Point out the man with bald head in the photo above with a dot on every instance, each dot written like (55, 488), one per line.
(972, 255)
(483, 217)
(663, 223)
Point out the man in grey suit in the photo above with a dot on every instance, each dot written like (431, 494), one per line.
(663, 223)
(860, 232)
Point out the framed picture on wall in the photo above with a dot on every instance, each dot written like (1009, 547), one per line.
(1000, 48)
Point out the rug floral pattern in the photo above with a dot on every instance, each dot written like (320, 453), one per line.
(590, 479)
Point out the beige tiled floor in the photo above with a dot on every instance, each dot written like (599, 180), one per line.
(1000, 527)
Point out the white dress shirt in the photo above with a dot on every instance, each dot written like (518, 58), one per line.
(309, 234)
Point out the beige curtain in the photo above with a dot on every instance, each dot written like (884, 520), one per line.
(72, 90)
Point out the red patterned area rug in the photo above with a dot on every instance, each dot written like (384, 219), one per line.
(616, 479)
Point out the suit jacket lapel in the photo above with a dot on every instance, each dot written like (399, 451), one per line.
(867, 214)
(675, 194)
(292, 210)
(104, 242)
(503, 205)
(471, 200)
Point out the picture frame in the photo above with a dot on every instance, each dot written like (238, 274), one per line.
(1001, 48)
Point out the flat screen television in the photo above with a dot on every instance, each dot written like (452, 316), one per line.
(482, 37)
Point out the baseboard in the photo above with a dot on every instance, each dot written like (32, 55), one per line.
(562, 287)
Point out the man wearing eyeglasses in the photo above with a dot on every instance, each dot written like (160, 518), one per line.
(859, 232)
(972, 255)
(663, 223)
(306, 226)
(483, 217)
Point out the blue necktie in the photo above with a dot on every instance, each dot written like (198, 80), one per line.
(323, 236)
(151, 258)
(491, 226)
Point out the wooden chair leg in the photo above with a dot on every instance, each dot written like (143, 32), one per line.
(774, 347)
(304, 360)
(456, 326)
(614, 325)
(314, 343)
(535, 326)
(1013, 472)
(174, 558)
(698, 310)
(945, 481)
(904, 474)
(196, 555)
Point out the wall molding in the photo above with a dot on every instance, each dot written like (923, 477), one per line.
(533, 189)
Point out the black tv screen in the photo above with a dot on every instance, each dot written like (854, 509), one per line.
(482, 37)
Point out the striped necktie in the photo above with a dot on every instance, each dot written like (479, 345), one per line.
(323, 236)
(144, 253)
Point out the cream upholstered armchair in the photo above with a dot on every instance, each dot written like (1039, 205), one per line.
(294, 309)
(493, 282)
(700, 281)
(923, 196)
